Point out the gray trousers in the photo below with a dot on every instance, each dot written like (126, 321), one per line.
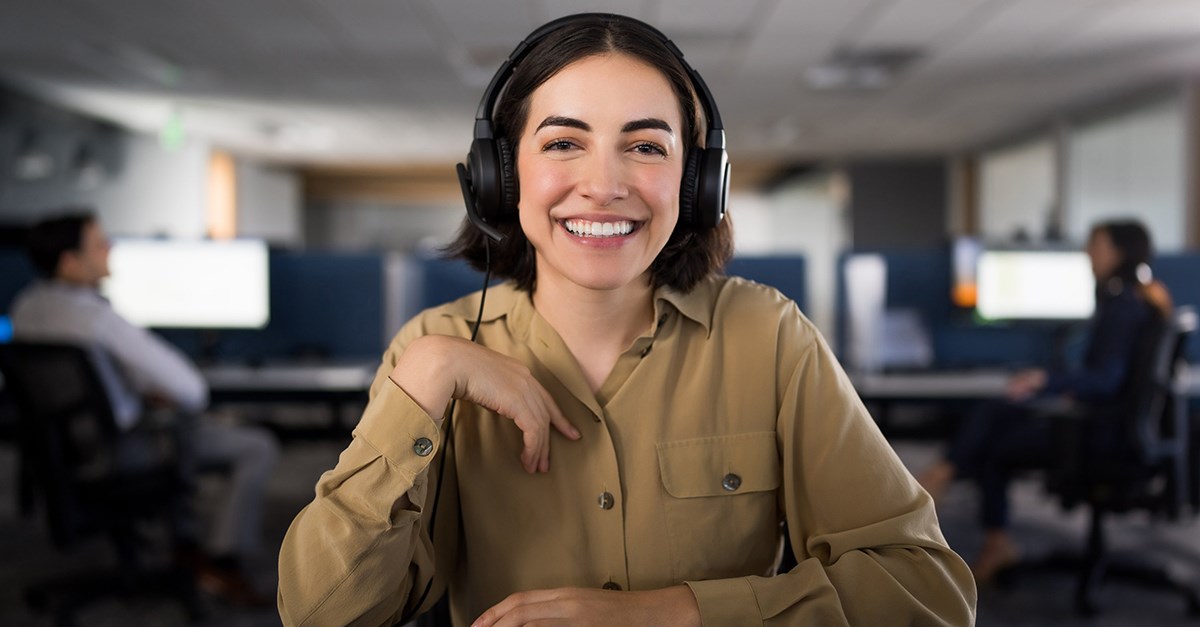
(246, 455)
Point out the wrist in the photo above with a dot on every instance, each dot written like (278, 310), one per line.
(425, 374)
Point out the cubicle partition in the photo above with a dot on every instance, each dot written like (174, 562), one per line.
(16, 271)
(786, 273)
(1180, 272)
(920, 280)
(325, 306)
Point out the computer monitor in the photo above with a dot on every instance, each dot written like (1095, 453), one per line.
(1035, 285)
(190, 283)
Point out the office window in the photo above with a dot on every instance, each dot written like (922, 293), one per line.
(1016, 190)
(1131, 164)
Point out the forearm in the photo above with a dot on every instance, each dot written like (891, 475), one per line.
(886, 586)
(358, 552)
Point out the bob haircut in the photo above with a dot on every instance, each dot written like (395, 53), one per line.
(1132, 241)
(689, 255)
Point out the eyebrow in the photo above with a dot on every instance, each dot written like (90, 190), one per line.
(559, 120)
(629, 127)
(646, 123)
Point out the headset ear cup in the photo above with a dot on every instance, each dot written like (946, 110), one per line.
(510, 191)
(485, 178)
(688, 188)
(712, 188)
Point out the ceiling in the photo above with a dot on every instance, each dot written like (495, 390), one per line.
(397, 82)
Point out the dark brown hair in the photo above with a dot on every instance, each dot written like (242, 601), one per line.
(1132, 241)
(689, 255)
(50, 238)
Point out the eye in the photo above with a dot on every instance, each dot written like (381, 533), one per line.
(649, 149)
(559, 145)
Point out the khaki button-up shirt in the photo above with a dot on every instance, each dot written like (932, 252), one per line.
(728, 417)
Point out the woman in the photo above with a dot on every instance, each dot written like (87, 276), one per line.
(1004, 437)
(688, 415)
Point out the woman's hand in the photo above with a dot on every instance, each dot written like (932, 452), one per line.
(1025, 384)
(435, 368)
(584, 606)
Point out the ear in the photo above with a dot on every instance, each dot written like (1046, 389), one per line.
(68, 264)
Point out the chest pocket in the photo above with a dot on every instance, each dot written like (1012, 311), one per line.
(719, 466)
(720, 504)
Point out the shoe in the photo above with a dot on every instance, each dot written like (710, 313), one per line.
(231, 585)
(997, 556)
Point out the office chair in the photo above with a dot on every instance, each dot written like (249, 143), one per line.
(69, 446)
(1154, 476)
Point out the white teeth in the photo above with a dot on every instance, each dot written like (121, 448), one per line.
(585, 228)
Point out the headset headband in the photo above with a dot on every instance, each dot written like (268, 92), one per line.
(715, 136)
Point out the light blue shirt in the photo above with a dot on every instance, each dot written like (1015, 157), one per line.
(145, 364)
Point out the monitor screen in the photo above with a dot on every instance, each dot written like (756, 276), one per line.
(1035, 285)
(189, 283)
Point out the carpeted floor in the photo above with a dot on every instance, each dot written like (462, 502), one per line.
(1035, 600)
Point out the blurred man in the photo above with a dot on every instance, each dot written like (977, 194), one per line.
(71, 255)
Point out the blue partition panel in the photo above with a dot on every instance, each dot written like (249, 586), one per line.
(920, 280)
(16, 271)
(1180, 272)
(786, 273)
(324, 305)
(444, 280)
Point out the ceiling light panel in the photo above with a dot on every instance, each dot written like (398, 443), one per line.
(794, 34)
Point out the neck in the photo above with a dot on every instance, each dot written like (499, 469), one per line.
(597, 326)
(615, 317)
(75, 282)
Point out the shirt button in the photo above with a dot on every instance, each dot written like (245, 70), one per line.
(606, 500)
(646, 351)
(731, 482)
(423, 447)
(612, 585)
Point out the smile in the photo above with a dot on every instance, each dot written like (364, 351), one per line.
(587, 228)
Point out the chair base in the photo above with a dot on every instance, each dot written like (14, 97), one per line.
(66, 595)
(1093, 573)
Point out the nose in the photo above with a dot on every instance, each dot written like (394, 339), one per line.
(602, 179)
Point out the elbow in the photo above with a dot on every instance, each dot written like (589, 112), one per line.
(193, 398)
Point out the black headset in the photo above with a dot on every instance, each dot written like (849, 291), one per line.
(489, 180)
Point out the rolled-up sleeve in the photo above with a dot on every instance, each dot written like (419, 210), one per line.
(359, 553)
(865, 535)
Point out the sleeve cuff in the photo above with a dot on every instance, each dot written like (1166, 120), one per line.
(726, 602)
(400, 430)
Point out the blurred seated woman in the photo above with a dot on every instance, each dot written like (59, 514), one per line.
(1004, 437)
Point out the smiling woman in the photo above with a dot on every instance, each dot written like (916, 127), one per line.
(691, 415)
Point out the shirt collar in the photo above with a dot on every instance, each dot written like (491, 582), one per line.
(696, 304)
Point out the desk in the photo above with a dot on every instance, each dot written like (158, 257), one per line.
(952, 385)
(932, 385)
(334, 384)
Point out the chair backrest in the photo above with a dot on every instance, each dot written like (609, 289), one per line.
(1157, 392)
(66, 427)
(1158, 429)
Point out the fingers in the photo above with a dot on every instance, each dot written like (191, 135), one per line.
(561, 423)
(535, 607)
(507, 387)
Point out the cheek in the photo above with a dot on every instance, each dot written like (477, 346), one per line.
(540, 183)
(662, 190)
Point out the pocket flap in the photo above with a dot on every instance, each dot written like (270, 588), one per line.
(719, 466)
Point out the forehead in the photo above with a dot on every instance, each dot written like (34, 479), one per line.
(92, 232)
(610, 83)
